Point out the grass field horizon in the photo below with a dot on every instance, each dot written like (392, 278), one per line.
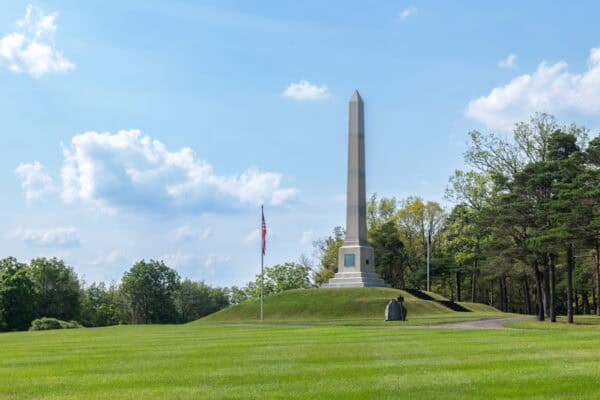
(319, 354)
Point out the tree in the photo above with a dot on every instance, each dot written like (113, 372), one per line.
(57, 288)
(238, 295)
(17, 295)
(327, 252)
(281, 277)
(196, 299)
(389, 250)
(530, 216)
(150, 288)
(278, 278)
(99, 306)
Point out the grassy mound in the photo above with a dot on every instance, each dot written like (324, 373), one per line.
(328, 304)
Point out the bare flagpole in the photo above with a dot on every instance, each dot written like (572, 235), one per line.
(262, 260)
(428, 258)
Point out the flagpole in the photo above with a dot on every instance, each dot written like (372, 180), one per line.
(428, 259)
(262, 263)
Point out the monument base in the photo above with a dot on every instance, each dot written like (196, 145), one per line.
(356, 264)
(355, 279)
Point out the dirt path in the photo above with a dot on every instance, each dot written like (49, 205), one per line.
(484, 323)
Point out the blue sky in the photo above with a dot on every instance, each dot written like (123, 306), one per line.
(156, 129)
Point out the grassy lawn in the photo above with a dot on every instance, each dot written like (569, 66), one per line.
(205, 361)
(343, 306)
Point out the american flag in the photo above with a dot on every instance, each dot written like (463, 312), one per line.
(263, 231)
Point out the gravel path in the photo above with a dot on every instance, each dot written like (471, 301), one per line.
(484, 323)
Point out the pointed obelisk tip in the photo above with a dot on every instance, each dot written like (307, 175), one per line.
(356, 96)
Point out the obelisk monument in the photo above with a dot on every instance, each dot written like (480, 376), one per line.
(356, 259)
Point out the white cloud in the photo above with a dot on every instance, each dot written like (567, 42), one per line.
(128, 170)
(253, 236)
(213, 259)
(509, 62)
(187, 233)
(31, 48)
(55, 237)
(177, 260)
(111, 258)
(408, 12)
(304, 90)
(551, 88)
(307, 238)
(34, 180)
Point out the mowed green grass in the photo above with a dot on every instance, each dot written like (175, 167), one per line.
(201, 361)
(343, 306)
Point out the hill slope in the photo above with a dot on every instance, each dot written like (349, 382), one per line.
(323, 304)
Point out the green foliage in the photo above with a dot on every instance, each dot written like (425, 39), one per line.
(150, 288)
(277, 279)
(196, 299)
(282, 277)
(18, 298)
(100, 306)
(45, 324)
(238, 295)
(57, 288)
(327, 251)
(390, 256)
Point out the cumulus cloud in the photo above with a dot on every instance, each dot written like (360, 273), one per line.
(252, 236)
(213, 259)
(408, 12)
(31, 48)
(187, 233)
(111, 258)
(34, 180)
(131, 171)
(551, 88)
(55, 237)
(176, 260)
(304, 90)
(307, 238)
(509, 62)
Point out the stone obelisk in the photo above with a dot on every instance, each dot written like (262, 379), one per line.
(356, 259)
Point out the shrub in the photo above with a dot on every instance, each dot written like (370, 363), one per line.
(44, 324)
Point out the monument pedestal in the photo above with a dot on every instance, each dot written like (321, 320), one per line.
(355, 279)
(355, 268)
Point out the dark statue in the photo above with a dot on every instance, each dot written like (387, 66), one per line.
(395, 310)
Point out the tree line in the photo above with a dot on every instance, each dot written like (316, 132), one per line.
(150, 292)
(523, 233)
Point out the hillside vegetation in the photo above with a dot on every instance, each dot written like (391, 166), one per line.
(327, 304)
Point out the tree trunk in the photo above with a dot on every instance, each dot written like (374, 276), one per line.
(458, 278)
(586, 303)
(473, 286)
(538, 287)
(546, 294)
(492, 293)
(526, 296)
(597, 302)
(552, 295)
(570, 262)
(505, 284)
(501, 284)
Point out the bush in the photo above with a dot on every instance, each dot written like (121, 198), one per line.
(45, 324)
